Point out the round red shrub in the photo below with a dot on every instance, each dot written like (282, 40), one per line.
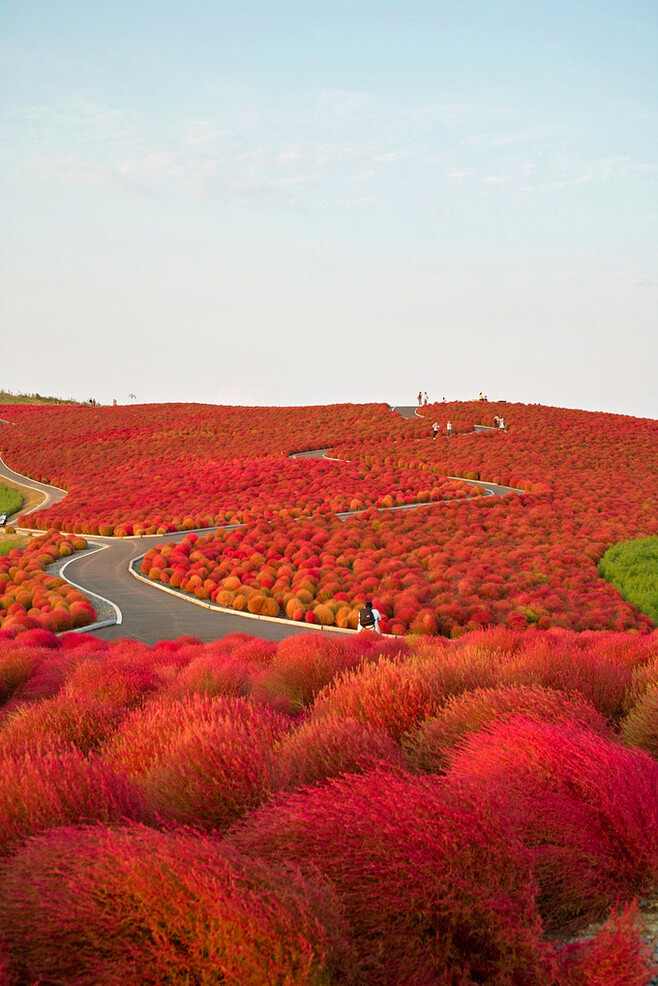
(387, 694)
(435, 889)
(201, 760)
(618, 955)
(585, 806)
(41, 791)
(326, 747)
(428, 747)
(304, 663)
(150, 908)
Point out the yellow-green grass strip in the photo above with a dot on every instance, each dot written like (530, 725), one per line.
(632, 566)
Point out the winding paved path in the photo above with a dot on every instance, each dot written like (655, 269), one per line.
(150, 612)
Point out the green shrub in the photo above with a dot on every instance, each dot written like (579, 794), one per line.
(10, 500)
(632, 566)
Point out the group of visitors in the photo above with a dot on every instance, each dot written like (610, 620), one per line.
(423, 398)
(499, 423)
(436, 429)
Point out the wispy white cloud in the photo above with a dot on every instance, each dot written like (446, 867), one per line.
(321, 148)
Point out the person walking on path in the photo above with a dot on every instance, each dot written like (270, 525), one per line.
(435, 430)
(501, 424)
(420, 397)
(369, 618)
(425, 399)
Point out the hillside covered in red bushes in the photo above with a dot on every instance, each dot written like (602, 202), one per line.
(588, 479)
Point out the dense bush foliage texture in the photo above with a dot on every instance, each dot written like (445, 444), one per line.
(327, 810)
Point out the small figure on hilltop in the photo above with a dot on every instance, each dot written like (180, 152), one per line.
(449, 429)
(435, 430)
(425, 399)
(369, 618)
(481, 396)
(420, 397)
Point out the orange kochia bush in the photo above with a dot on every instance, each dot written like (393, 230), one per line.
(30, 597)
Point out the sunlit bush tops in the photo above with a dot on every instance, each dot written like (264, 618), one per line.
(31, 598)
(292, 812)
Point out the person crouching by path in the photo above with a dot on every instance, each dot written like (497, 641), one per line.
(369, 618)
(435, 429)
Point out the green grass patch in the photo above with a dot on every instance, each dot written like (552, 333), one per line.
(10, 500)
(632, 566)
(6, 544)
(6, 397)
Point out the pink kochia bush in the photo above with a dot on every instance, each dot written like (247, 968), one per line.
(585, 807)
(436, 890)
(199, 761)
(145, 908)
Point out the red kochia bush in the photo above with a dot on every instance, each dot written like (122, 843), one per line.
(428, 747)
(391, 695)
(329, 746)
(584, 805)
(120, 677)
(200, 761)
(616, 956)
(58, 723)
(145, 908)
(304, 664)
(17, 665)
(212, 672)
(436, 890)
(38, 792)
(555, 662)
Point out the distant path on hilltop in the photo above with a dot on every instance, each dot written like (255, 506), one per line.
(149, 611)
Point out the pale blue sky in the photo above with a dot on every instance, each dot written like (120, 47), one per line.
(291, 203)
